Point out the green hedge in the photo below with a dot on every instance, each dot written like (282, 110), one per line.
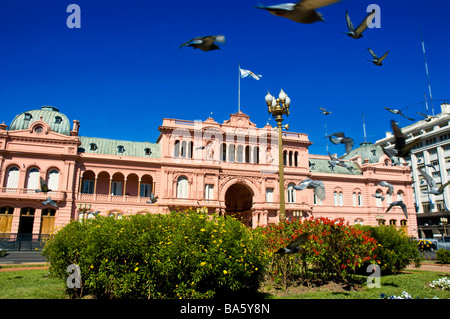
(443, 256)
(176, 255)
(395, 249)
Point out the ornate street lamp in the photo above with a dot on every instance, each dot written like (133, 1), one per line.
(278, 108)
(444, 223)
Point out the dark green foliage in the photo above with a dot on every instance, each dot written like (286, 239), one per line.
(176, 255)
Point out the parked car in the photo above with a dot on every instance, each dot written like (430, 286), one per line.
(444, 242)
(427, 244)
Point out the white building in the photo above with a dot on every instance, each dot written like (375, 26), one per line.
(431, 154)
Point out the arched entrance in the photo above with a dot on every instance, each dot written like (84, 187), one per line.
(239, 202)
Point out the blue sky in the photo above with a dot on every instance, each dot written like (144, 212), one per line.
(122, 72)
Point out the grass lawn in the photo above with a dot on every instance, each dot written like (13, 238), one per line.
(414, 282)
(35, 284)
(30, 284)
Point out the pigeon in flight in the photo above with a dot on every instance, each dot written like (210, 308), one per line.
(153, 199)
(357, 33)
(400, 204)
(200, 147)
(401, 149)
(49, 201)
(432, 184)
(340, 138)
(294, 246)
(337, 161)
(427, 118)
(376, 60)
(398, 112)
(388, 185)
(44, 187)
(319, 188)
(377, 195)
(303, 11)
(324, 111)
(207, 43)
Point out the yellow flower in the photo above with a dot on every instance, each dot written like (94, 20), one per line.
(225, 272)
(136, 269)
(256, 268)
(202, 229)
(202, 263)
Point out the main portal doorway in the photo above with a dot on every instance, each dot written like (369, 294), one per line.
(239, 202)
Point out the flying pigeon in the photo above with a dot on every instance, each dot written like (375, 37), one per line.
(200, 147)
(49, 201)
(388, 185)
(44, 187)
(319, 188)
(293, 246)
(207, 43)
(301, 12)
(431, 166)
(340, 138)
(401, 204)
(357, 33)
(337, 161)
(432, 184)
(401, 149)
(153, 199)
(427, 118)
(324, 111)
(376, 60)
(398, 112)
(377, 195)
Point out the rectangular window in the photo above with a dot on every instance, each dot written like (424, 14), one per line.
(209, 191)
(88, 187)
(145, 190)
(269, 195)
(116, 188)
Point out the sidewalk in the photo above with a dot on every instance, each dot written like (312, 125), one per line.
(431, 267)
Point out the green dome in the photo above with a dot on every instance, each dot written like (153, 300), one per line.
(367, 150)
(57, 121)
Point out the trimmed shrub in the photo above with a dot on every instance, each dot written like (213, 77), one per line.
(334, 249)
(443, 256)
(176, 255)
(395, 250)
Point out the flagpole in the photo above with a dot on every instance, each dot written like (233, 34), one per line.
(239, 89)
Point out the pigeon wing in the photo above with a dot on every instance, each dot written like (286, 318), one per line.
(197, 40)
(398, 136)
(298, 241)
(278, 8)
(404, 209)
(441, 189)
(383, 57)
(319, 190)
(350, 26)
(373, 54)
(348, 145)
(315, 4)
(365, 23)
(430, 180)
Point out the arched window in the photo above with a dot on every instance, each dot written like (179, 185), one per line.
(33, 179)
(358, 221)
(247, 154)
(335, 198)
(284, 158)
(53, 179)
(231, 153)
(240, 154)
(341, 199)
(360, 200)
(224, 152)
(182, 187)
(12, 178)
(290, 158)
(176, 149)
(357, 198)
(400, 196)
(296, 159)
(291, 193)
(256, 154)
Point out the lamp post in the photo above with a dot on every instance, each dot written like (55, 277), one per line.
(277, 108)
(444, 222)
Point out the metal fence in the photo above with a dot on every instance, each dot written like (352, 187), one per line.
(22, 242)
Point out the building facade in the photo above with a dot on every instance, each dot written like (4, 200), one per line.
(228, 168)
(432, 155)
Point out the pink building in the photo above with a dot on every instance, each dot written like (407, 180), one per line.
(229, 168)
